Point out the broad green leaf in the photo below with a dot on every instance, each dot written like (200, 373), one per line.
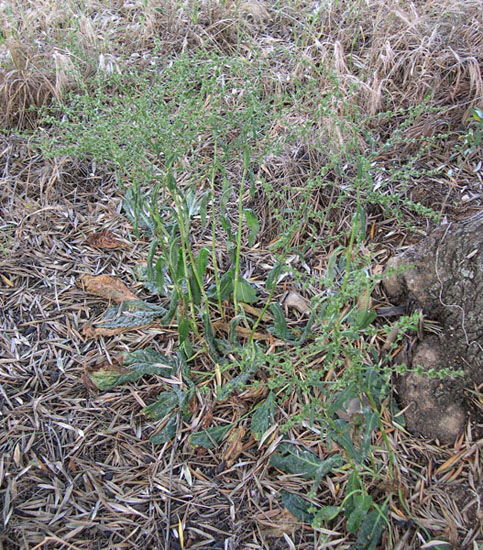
(223, 346)
(273, 275)
(362, 319)
(340, 432)
(226, 286)
(361, 503)
(371, 530)
(209, 438)
(184, 330)
(209, 337)
(202, 262)
(159, 276)
(360, 220)
(294, 461)
(352, 488)
(173, 306)
(280, 328)
(226, 224)
(327, 513)
(262, 418)
(238, 382)
(164, 404)
(149, 264)
(225, 195)
(141, 274)
(167, 433)
(371, 421)
(129, 314)
(192, 203)
(135, 212)
(171, 180)
(149, 358)
(253, 225)
(136, 365)
(331, 270)
(204, 206)
(232, 333)
(477, 114)
(245, 292)
(340, 399)
(297, 506)
(376, 386)
(195, 288)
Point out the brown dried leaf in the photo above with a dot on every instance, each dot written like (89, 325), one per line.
(91, 332)
(102, 371)
(234, 446)
(105, 239)
(107, 287)
(298, 302)
(207, 419)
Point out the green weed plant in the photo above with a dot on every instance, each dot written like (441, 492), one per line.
(184, 141)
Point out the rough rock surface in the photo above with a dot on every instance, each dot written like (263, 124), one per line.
(446, 283)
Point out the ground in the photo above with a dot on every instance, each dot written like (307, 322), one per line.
(77, 468)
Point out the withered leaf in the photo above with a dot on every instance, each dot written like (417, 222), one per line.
(234, 446)
(298, 302)
(128, 315)
(130, 368)
(102, 371)
(107, 287)
(105, 239)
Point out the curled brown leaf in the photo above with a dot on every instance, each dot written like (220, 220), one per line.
(107, 287)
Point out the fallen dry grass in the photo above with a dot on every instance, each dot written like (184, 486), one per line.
(76, 467)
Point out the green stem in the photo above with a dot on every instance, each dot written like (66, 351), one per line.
(246, 163)
(213, 236)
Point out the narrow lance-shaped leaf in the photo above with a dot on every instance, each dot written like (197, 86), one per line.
(128, 315)
(209, 438)
(202, 262)
(238, 382)
(294, 461)
(253, 225)
(209, 336)
(225, 195)
(280, 328)
(150, 260)
(226, 286)
(361, 503)
(136, 365)
(195, 288)
(167, 433)
(262, 418)
(204, 206)
(297, 506)
(273, 276)
(331, 270)
(159, 275)
(371, 530)
(184, 329)
(326, 513)
(164, 404)
(192, 203)
(245, 292)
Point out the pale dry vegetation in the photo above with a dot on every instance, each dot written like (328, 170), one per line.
(392, 83)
